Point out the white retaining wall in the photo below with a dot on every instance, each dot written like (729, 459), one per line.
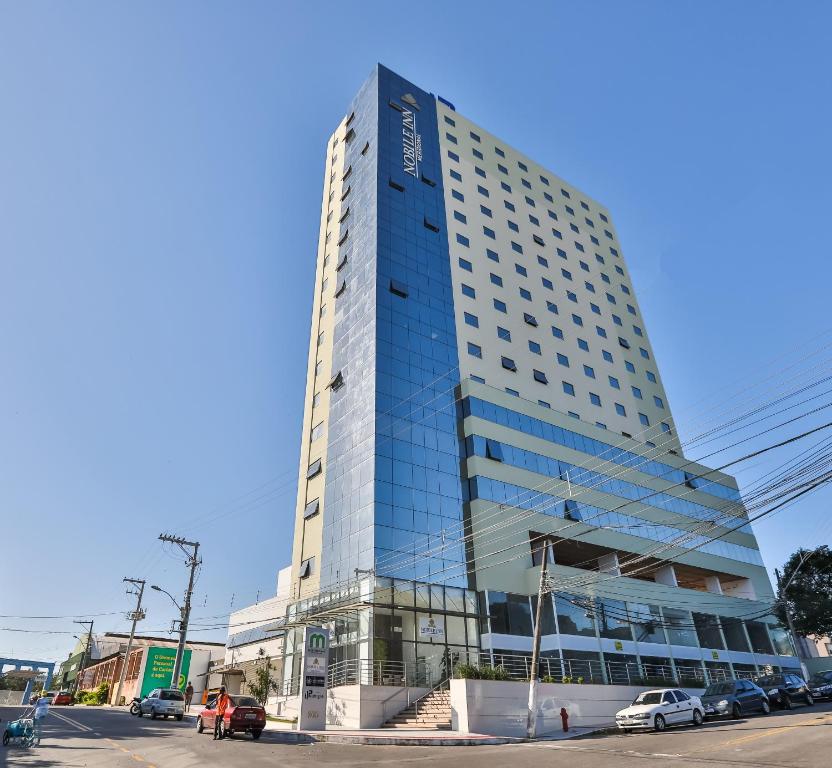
(367, 706)
(500, 708)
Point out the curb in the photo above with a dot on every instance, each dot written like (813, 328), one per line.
(290, 737)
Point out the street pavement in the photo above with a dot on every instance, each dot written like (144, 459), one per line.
(93, 737)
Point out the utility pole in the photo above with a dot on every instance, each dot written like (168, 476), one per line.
(136, 615)
(544, 588)
(85, 657)
(192, 562)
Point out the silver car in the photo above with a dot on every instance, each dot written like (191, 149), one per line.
(163, 702)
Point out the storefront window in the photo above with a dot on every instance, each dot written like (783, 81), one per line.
(734, 632)
(680, 627)
(547, 620)
(707, 630)
(613, 620)
(758, 634)
(647, 623)
(572, 618)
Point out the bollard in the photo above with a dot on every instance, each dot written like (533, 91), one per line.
(564, 716)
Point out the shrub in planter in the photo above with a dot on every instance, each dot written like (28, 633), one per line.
(467, 672)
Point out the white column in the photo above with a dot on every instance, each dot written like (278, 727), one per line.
(666, 575)
(712, 584)
(609, 564)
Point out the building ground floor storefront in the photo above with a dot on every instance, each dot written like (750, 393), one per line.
(404, 633)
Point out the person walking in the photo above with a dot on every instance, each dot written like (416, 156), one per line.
(189, 695)
(41, 711)
(222, 704)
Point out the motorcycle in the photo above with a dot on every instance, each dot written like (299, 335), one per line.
(135, 708)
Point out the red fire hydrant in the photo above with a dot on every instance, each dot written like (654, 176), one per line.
(564, 716)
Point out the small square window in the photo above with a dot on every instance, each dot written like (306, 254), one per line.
(477, 154)
(620, 409)
(472, 320)
(637, 393)
(508, 364)
(530, 319)
(644, 353)
(606, 355)
(512, 226)
(613, 382)
(488, 232)
(508, 205)
(629, 366)
(623, 342)
(522, 166)
(474, 136)
(466, 265)
(458, 195)
(538, 239)
(505, 187)
(521, 270)
(455, 176)
(468, 291)
(482, 190)
(311, 509)
(485, 211)
(306, 568)
(450, 137)
(542, 261)
(563, 360)
(492, 254)
(493, 449)
(502, 168)
(557, 332)
(559, 236)
(396, 184)
(541, 377)
(525, 294)
(516, 247)
(577, 319)
(474, 350)
(594, 399)
(497, 280)
(429, 182)
(460, 217)
(479, 171)
(478, 379)
(589, 371)
(552, 307)
(543, 404)
(665, 427)
(314, 469)
(583, 345)
(650, 376)
(454, 156)
(547, 283)
(512, 392)
(399, 289)
(568, 388)
(499, 152)
(643, 419)
(534, 347)
(434, 227)
(601, 331)
(500, 306)
(658, 401)
(503, 333)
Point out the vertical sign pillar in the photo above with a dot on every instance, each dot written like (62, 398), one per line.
(312, 715)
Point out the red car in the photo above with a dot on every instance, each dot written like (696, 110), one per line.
(244, 714)
(62, 697)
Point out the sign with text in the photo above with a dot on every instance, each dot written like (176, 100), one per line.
(411, 143)
(312, 715)
(158, 669)
(431, 626)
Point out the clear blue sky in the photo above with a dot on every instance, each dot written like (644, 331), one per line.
(160, 181)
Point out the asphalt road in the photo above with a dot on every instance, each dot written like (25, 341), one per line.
(94, 738)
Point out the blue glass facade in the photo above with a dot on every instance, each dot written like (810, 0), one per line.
(393, 479)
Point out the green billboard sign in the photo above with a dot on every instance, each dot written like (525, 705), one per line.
(158, 669)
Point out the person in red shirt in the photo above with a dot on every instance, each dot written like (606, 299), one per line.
(221, 705)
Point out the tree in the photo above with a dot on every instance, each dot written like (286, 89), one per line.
(805, 588)
(262, 684)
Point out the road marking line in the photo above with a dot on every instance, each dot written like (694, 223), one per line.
(74, 723)
(754, 736)
(138, 758)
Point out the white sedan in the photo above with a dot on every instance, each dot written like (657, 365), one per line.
(659, 709)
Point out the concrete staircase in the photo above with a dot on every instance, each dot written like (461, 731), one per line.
(431, 712)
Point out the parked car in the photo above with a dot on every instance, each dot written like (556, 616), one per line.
(62, 698)
(786, 690)
(244, 714)
(734, 698)
(660, 708)
(163, 702)
(821, 685)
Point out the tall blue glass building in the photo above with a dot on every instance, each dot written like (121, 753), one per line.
(481, 389)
